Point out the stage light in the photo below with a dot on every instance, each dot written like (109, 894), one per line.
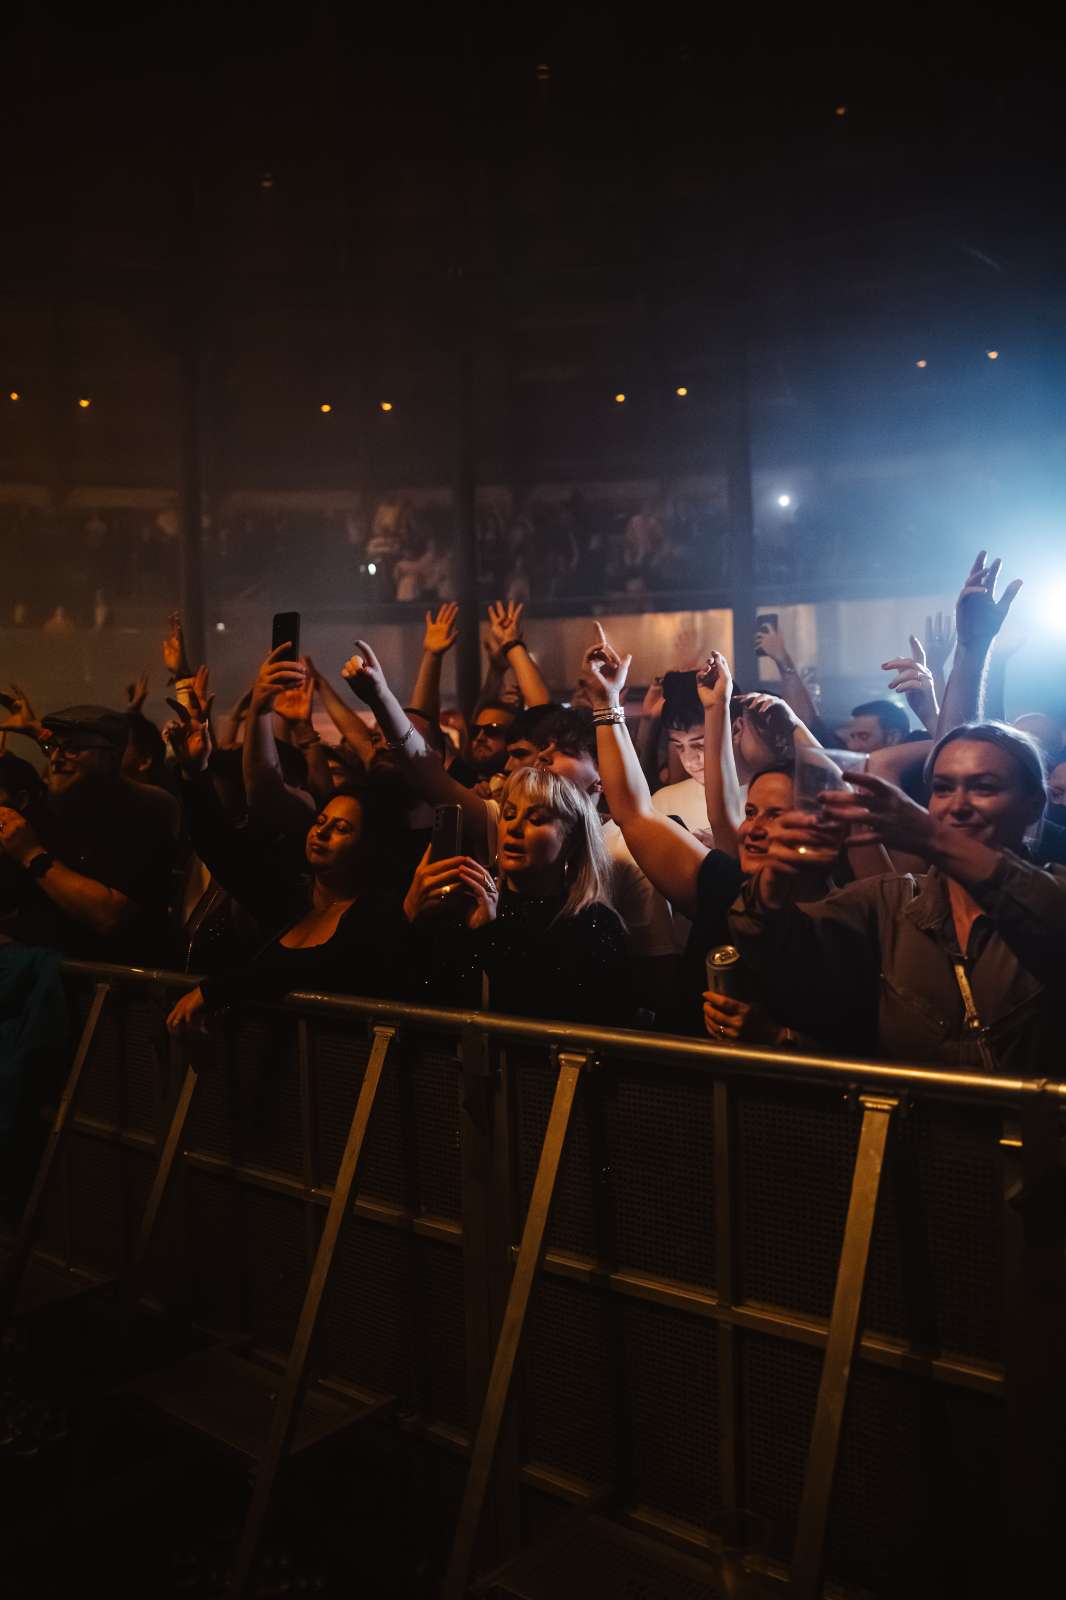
(922, 363)
(220, 627)
(993, 355)
(85, 404)
(267, 181)
(386, 405)
(372, 568)
(1053, 607)
(619, 399)
(682, 391)
(14, 395)
(325, 409)
(784, 501)
(841, 111)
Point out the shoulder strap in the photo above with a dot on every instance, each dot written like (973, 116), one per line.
(974, 1026)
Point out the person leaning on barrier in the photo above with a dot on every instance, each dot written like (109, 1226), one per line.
(961, 964)
(546, 936)
(348, 936)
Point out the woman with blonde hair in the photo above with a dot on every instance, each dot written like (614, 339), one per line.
(544, 934)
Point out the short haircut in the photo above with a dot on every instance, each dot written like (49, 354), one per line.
(572, 731)
(529, 724)
(492, 705)
(892, 718)
(1024, 750)
(682, 706)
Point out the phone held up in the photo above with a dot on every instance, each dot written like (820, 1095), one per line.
(769, 619)
(447, 840)
(286, 631)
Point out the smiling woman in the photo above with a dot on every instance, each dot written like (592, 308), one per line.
(961, 964)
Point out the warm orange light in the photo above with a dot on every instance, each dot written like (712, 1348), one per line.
(386, 405)
(14, 395)
(325, 409)
(922, 363)
(85, 404)
(619, 399)
(993, 355)
(682, 391)
(267, 181)
(842, 111)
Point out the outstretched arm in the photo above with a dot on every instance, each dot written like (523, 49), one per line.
(364, 675)
(268, 795)
(978, 618)
(505, 624)
(440, 635)
(348, 723)
(725, 811)
(794, 691)
(668, 855)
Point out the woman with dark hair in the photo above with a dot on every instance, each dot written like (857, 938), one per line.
(345, 937)
(545, 936)
(961, 964)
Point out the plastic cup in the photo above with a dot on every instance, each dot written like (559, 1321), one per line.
(818, 770)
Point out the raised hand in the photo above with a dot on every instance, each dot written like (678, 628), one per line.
(914, 680)
(879, 813)
(939, 643)
(604, 672)
(274, 677)
(654, 699)
(363, 673)
(729, 1019)
(174, 657)
(441, 630)
(295, 705)
(17, 838)
(435, 882)
(137, 693)
(978, 614)
(714, 681)
(771, 641)
(505, 624)
(21, 716)
(687, 652)
(189, 733)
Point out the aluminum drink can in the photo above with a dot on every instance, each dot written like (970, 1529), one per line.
(724, 971)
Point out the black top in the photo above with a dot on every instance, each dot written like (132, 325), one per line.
(116, 835)
(540, 964)
(719, 883)
(364, 956)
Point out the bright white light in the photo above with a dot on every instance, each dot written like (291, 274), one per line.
(784, 501)
(372, 567)
(1053, 607)
(220, 627)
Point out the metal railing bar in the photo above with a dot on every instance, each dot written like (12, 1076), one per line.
(687, 1052)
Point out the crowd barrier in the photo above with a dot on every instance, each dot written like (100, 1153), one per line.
(657, 1280)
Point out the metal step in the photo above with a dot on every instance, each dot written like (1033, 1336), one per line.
(230, 1400)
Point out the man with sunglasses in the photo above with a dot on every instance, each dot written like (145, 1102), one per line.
(98, 849)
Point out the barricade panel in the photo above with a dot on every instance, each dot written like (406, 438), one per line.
(435, 1091)
(567, 1385)
(671, 1390)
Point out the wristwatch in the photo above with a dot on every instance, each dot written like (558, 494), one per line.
(39, 864)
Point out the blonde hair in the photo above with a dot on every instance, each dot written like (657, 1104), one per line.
(587, 866)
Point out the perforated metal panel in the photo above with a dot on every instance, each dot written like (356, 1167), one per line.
(780, 1387)
(567, 1381)
(434, 1073)
(264, 1064)
(277, 1264)
(671, 1366)
(572, 1226)
(441, 1348)
(215, 1250)
(340, 1057)
(368, 1322)
(659, 1126)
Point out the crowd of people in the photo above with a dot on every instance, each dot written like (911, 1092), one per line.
(889, 885)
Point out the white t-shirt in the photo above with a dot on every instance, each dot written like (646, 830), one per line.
(686, 800)
(650, 922)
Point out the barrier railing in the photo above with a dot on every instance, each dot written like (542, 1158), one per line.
(642, 1274)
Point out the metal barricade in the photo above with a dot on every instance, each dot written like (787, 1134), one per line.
(623, 1271)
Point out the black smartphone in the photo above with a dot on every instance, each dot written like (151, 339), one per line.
(769, 619)
(286, 631)
(447, 833)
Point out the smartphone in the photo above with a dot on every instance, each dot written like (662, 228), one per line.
(447, 833)
(769, 619)
(287, 631)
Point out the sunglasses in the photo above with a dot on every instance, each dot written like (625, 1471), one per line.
(497, 729)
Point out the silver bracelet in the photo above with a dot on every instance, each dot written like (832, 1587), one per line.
(398, 744)
(608, 717)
